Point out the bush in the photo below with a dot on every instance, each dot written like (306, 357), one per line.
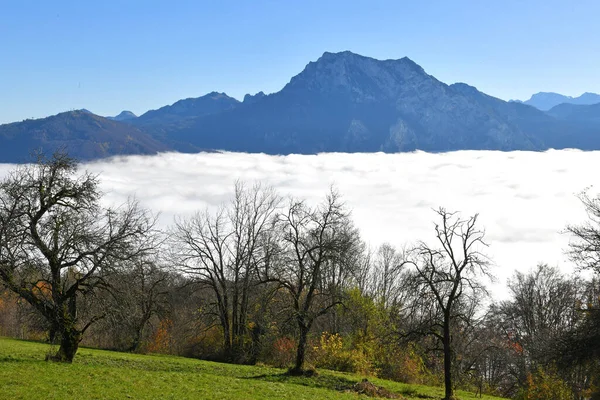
(401, 363)
(283, 352)
(545, 385)
(330, 354)
(206, 345)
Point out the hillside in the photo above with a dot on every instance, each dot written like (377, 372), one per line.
(577, 113)
(84, 135)
(102, 374)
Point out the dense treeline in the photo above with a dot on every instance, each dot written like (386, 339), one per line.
(279, 281)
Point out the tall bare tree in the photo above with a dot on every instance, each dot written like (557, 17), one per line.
(315, 246)
(388, 267)
(446, 280)
(224, 251)
(57, 243)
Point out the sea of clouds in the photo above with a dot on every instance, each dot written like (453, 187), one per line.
(524, 199)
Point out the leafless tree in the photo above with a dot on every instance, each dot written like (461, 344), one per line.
(446, 281)
(388, 267)
(315, 245)
(585, 244)
(137, 294)
(543, 307)
(225, 250)
(57, 243)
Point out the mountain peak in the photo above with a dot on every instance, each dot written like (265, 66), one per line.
(192, 107)
(365, 78)
(248, 98)
(123, 116)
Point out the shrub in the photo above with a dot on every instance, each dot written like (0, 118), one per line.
(283, 352)
(207, 344)
(330, 354)
(545, 385)
(401, 363)
(161, 341)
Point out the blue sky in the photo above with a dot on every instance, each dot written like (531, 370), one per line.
(107, 56)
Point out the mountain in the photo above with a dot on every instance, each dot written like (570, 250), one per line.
(342, 102)
(183, 110)
(84, 135)
(252, 99)
(576, 112)
(123, 116)
(348, 102)
(182, 115)
(546, 100)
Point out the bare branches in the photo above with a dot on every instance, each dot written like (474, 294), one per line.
(584, 248)
(57, 243)
(226, 251)
(445, 280)
(316, 254)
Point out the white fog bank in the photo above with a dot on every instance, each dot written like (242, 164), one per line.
(525, 199)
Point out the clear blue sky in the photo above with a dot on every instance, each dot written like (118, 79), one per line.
(107, 56)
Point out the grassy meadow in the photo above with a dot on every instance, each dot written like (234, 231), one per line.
(100, 374)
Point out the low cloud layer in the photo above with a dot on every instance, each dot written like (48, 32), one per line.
(525, 199)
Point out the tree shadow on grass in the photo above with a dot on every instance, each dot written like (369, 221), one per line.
(317, 381)
(22, 360)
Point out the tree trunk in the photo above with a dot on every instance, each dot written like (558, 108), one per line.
(449, 393)
(137, 340)
(301, 351)
(70, 336)
(227, 345)
(69, 343)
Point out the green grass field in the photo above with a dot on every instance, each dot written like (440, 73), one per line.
(99, 374)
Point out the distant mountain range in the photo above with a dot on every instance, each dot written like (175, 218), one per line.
(342, 102)
(547, 100)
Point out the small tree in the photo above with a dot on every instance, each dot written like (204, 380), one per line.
(314, 245)
(445, 281)
(57, 243)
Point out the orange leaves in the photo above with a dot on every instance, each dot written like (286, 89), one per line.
(161, 341)
(42, 289)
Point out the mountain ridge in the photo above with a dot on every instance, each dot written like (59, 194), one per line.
(545, 101)
(342, 102)
(82, 134)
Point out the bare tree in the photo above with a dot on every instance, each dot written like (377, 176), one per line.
(530, 324)
(388, 267)
(138, 293)
(57, 243)
(446, 281)
(315, 244)
(585, 245)
(224, 252)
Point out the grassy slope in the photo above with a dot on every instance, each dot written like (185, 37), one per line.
(98, 374)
